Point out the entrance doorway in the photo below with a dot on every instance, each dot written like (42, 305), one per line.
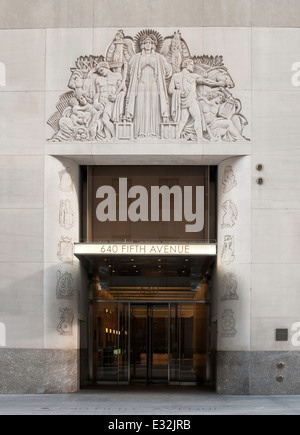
(149, 342)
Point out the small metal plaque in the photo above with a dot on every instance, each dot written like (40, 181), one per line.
(282, 335)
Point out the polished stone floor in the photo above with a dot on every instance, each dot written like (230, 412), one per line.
(152, 400)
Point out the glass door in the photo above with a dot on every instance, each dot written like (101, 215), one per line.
(188, 343)
(109, 344)
(158, 324)
(139, 352)
(149, 341)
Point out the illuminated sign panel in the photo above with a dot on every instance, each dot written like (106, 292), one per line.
(145, 249)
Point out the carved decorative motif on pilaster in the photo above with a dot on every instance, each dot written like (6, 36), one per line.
(65, 285)
(65, 326)
(228, 324)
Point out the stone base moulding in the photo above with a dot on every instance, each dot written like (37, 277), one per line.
(258, 373)
(233, 373)
(38, 371)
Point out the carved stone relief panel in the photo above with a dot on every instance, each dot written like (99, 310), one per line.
(234, 256)
(229, 287)
(66, 181)
(230, 214)
(65, 326)
(149, 87)
(66, 214)
(65, 251)
(228, 182)
(65, 285)
(62, 278)
(228, 250)
(228, 324)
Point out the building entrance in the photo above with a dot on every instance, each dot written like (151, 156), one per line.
(149, 342)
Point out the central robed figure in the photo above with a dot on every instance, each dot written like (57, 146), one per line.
(147, 97)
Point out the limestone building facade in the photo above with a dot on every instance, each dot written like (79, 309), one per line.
(176, 94)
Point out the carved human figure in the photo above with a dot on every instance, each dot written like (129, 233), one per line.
(81, 81)
(76, 82)
(110, 91)
(146, 63)
(220, 78)
(222, 123)
(75, 120)
(183, 88)
(147, 98)
(81, 111)
(66, 124)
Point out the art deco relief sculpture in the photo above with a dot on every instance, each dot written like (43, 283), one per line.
(149, 88)
(65, 326)
(230, 214)
(228, 324)
(229, 286)
(65, 285)
(147, 102)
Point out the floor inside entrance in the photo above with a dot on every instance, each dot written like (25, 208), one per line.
(147, 400)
